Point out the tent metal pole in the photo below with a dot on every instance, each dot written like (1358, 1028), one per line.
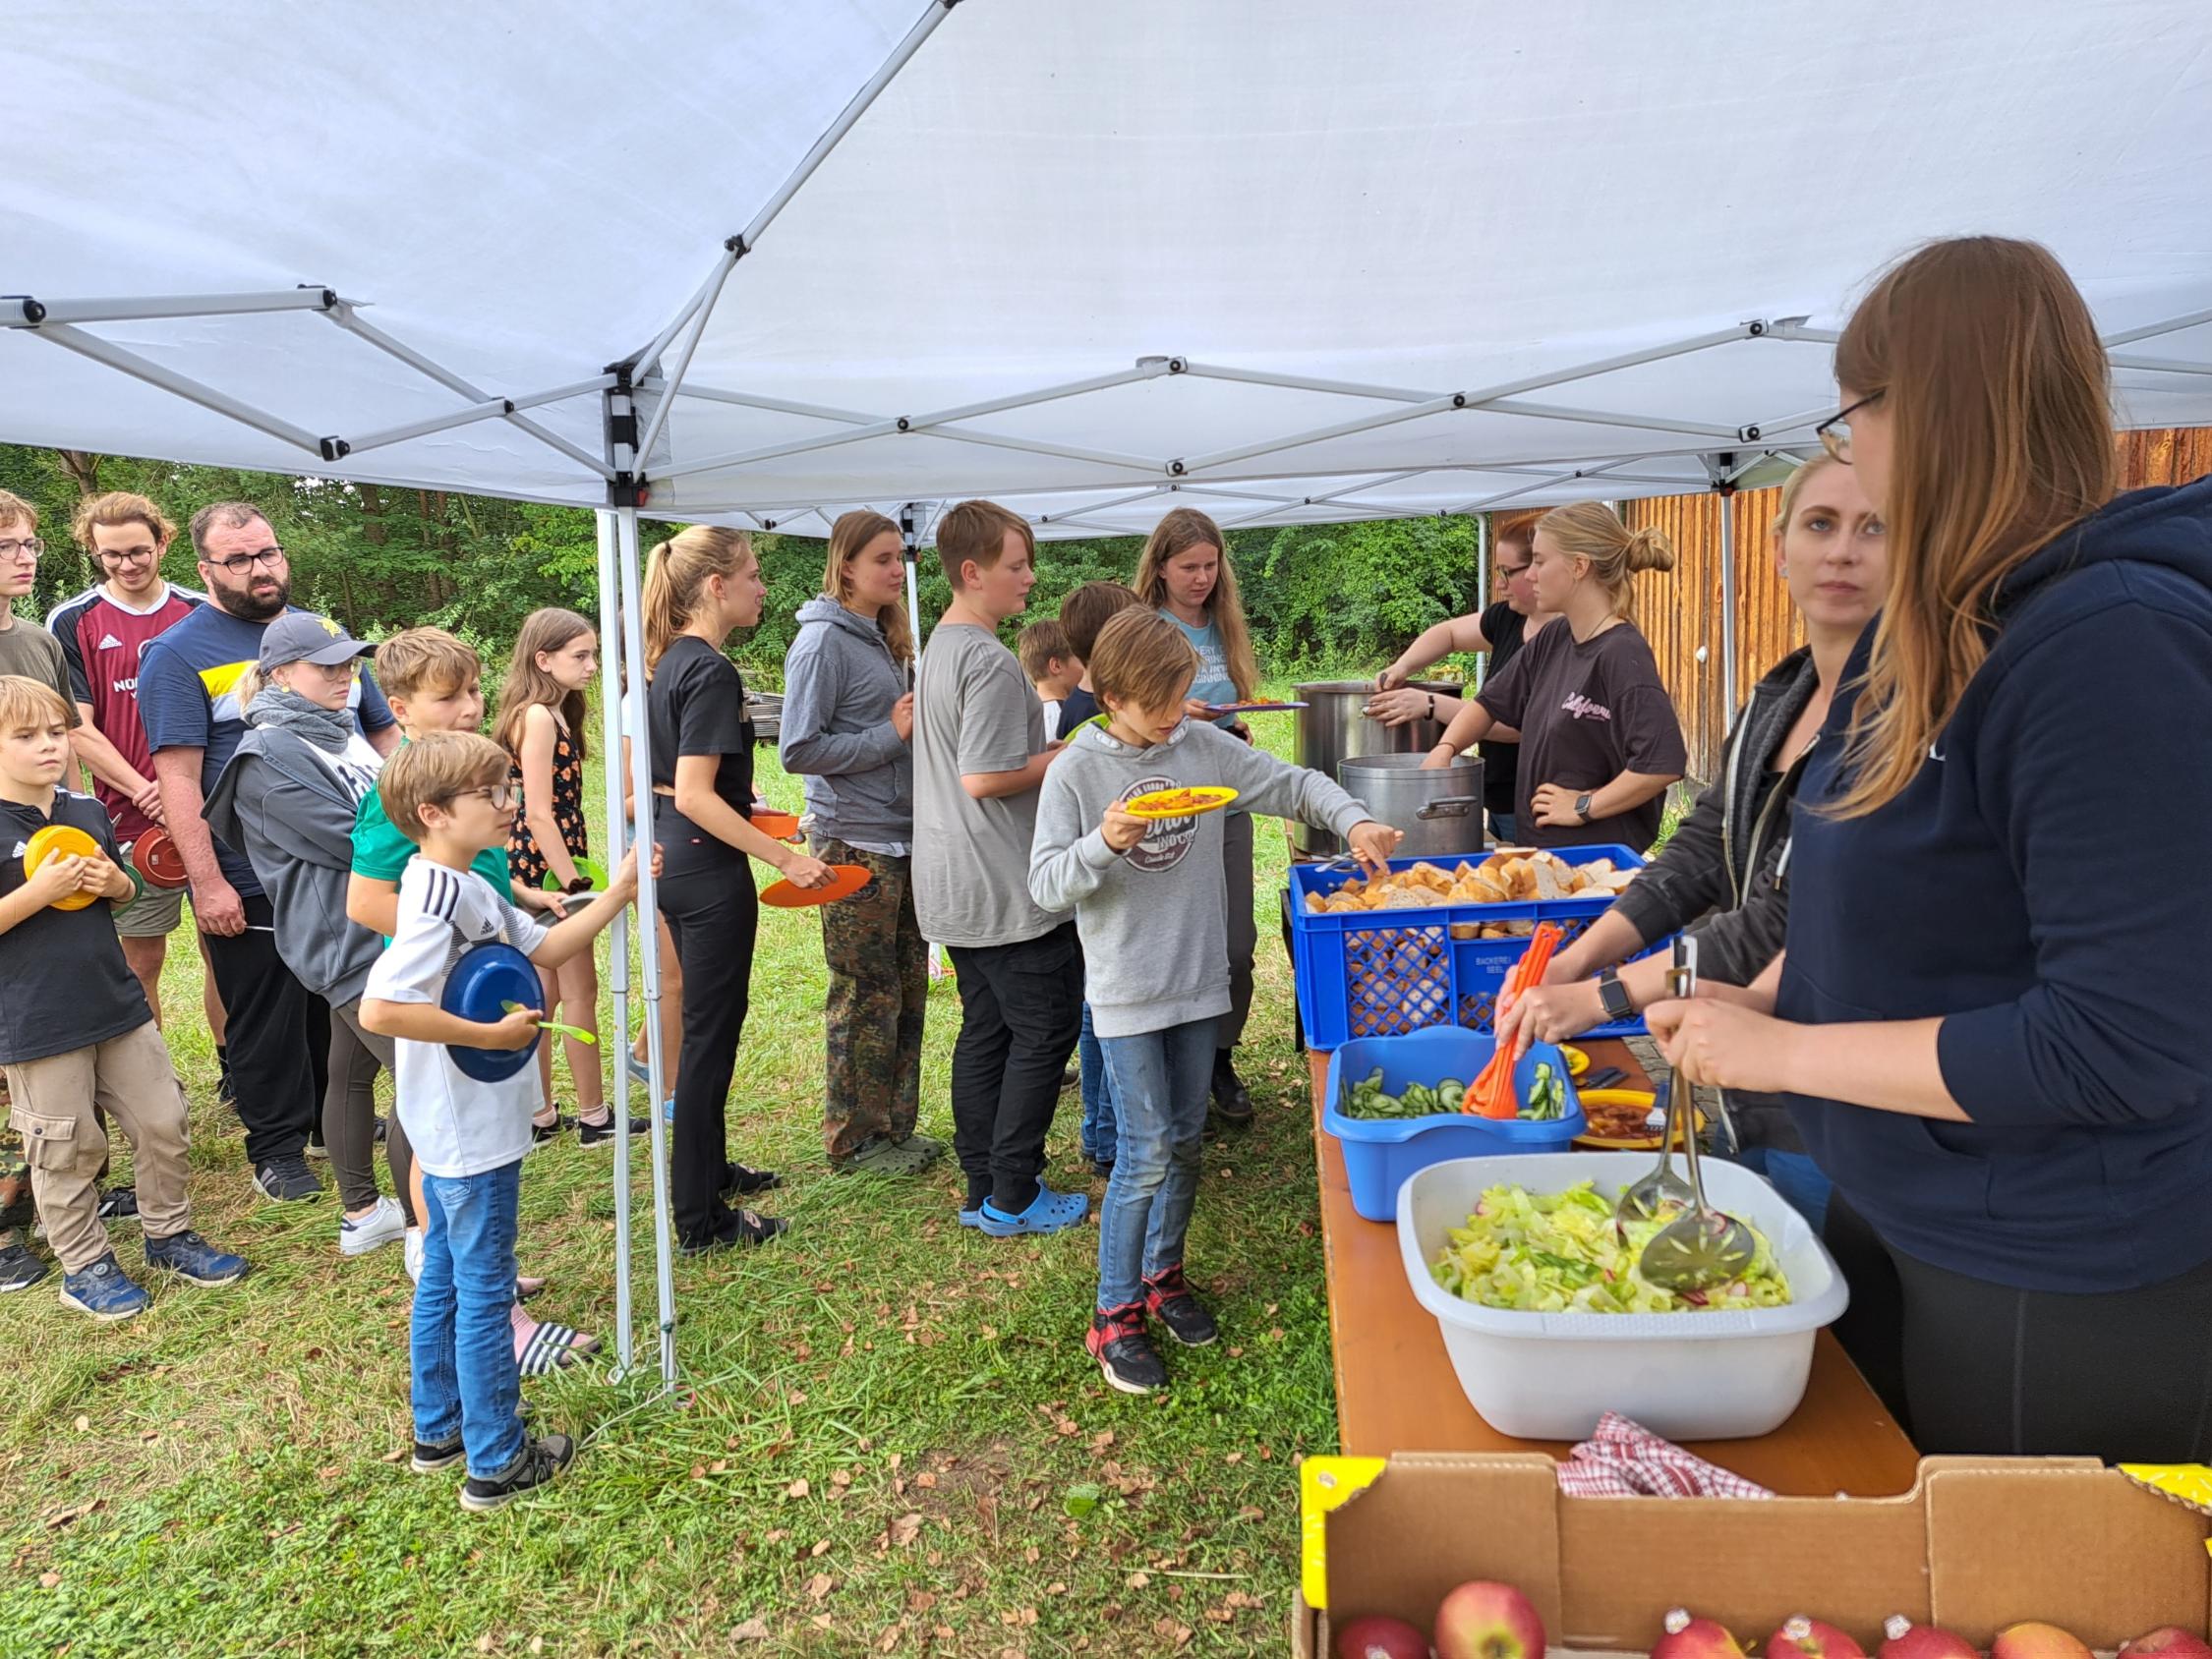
(1724, 488)
(990, 441)
(1110, 503)
(2159, 364)
(1798, 329)
(493, 409)
(675, 384)
(1601, 418)
(1505, 496)
(619, 955)
(701, 296)
(1481, 584)
(23, 311)
(182, 385)
(2129, 336)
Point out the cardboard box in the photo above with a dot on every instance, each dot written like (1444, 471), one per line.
(1976, 1545)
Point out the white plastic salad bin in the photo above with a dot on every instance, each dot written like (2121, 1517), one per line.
(1687, 1376)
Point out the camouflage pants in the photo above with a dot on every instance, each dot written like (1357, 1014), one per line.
(879, 987)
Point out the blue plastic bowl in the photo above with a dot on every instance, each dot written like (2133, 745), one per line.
(487, 977)
(1380, 1155)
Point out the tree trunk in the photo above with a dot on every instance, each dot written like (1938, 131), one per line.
(84, 469)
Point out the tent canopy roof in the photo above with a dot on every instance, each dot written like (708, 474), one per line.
(1259, 248)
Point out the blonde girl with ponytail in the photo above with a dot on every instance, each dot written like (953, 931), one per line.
(701, 585)
(1600, 738)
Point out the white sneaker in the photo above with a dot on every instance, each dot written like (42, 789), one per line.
(414, 1252)
(379, 1226)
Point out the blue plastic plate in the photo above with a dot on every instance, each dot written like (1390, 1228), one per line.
(485, 978)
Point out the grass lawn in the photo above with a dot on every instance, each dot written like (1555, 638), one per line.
(887, 1413)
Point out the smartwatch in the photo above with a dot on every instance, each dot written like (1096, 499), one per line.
(1582, 808)
(1613, 994)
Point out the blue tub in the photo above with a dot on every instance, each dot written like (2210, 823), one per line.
(1382, 1155)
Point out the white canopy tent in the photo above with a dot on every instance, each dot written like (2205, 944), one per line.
(1290, 260)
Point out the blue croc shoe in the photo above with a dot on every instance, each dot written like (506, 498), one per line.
(1048, 1212)
(190, 1256)
(103, 1290)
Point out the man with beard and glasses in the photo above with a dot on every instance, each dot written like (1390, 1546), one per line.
(188, 696)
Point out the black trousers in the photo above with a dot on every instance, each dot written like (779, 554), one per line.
(712, 909)
(279, 1040)
(1022, 1010)
(1973, 1367)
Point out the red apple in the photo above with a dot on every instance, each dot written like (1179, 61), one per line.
(1808, 1638)
(1378, 1638)
(1486, 1621)
(2032, 1641)
(1695, 1639)
(2168, 1641)
(1909, 1640)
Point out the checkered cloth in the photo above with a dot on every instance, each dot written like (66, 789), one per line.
(1625, 1459)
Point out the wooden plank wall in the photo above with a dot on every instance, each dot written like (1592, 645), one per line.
(1680, 611)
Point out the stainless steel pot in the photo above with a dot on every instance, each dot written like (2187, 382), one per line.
(1334, 727)
(1440, 810)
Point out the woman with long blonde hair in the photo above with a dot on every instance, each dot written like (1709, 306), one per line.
(1993, 987)
(700, 585)
(1600, 738)
(1186, 575)
(848, 730)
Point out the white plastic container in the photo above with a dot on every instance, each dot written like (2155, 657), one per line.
(1687, 1376)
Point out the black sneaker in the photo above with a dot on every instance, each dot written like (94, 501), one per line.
(224, 1090)
(1232, 1101)
(1169, 1299)
(1071, 1078)
(737, 1226)
(540, 1134)
(1102, 1167)
(382, 1131)
(742, 1180)
(316, 1147)
(287, 1180)
(541, 1459)
(431, 1456)
(1124, 1353)
(20, 1270)
(119, 1204)
(602, 1134)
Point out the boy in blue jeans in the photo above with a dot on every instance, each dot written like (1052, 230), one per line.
(1150, 906)
(449, 794)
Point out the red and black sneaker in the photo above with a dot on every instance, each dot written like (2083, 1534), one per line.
(1123, 1352)
(1169, 1299)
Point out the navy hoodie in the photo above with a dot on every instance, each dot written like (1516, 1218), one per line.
(2044, 885)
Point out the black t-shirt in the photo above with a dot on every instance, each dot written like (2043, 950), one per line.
(1504, 627)
(1588, 710)
(697, 705)
(64, 985)
(1080, 706)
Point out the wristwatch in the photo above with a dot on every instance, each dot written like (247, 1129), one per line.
(1432, 706)
(1582, 808)
(1613, 994)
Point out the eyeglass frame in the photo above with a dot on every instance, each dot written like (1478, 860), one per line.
(269, 556)
(16, 548)
(1839, 447)
(508, 797)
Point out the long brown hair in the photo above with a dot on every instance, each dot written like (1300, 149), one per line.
(1997, 390)
(1592, 531)
(1181, 531)
(675, 574)
(529, 686)
(849, 537)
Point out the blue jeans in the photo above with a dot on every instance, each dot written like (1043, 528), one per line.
(462, 1341)
(1160, 1080)
(1795, 1176)
(1504, 829)
(1099, 1135)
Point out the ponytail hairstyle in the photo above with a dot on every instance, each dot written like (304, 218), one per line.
(678, 573)
(529, 686)
(1592, 531)
(1175, 535)
(1998, 392)
(851, 534)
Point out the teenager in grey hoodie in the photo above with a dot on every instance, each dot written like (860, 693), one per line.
(846, 729)
(287, 800)
(1150, 903)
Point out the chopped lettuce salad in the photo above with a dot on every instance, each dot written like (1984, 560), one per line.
(1563, 1252)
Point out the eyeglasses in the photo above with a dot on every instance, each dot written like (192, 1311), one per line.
(500, 796)
(21, 549)
(1834, 432)
(1506, 572)
(129, 555)
(242, 562)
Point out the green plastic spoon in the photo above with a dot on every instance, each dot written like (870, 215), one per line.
(590, 1038)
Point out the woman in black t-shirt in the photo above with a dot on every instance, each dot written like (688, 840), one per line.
(1600, 740)
(700, 585)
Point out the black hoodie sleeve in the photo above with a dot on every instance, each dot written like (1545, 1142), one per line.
(1688, 879)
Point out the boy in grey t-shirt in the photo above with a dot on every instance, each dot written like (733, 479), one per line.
(979, 755)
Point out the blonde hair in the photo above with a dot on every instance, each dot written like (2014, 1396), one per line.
(14, 507)
(849, 539)
(118, 508)
(433, 768)
(1793, 487)
(26, 702)
(1592, 531)
(1997, 389)
(1175, 535)
(1142, 658)
(974, 533)
(529, 686)
(1038, 643)
(678, 573)
(417, 660)
(248, 685)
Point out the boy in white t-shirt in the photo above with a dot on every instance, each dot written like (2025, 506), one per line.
(449, 792)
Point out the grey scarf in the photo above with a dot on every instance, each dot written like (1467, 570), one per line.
(278, 709)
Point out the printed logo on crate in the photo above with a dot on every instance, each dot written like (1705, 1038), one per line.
(1169, 840)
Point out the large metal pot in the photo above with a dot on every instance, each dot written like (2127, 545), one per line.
(1334, 725)
(1440, 810)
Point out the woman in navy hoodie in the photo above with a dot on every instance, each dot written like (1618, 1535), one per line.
(1992, 1001)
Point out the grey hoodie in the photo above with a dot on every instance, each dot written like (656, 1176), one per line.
(280, 804)
(1155, 921)
(840, 681)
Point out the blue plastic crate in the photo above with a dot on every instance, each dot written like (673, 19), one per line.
(1382, 973)
(1380, 1155)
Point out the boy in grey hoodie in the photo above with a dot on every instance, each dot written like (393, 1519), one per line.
(1150, 903)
